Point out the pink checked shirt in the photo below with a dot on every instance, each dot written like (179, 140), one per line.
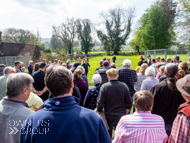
(141, 127)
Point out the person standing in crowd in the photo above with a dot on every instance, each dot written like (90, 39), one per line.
(113, 65)
(163, 61)
(141, 58)
(153, 64)
(14, 109)
(36, 67)
(114, 59)
(181, 126)
(39, 84)
(30, 67)
(92, 94)
(157, 60)
(35, 102)
(104, 58)
(79, 61)
(115, 98)
(102, 71)
(86, 66)
(180, 74)
(17, 67)
(150, 80)
(22, 65)
(166, 97)
(149, 60)
(128, 76)
(184, 66)
(55, 62)
(83, 74)
(2, 67)
(101, 65)
(162, 76)
(75, 65)
(169, 60)
(108, 59)
(44, 60)
(68, 63)
(141, 126)
(176, 59)
(158, 65)
(140, 62)
(140, 77)
(3, 81)
(80, 83)
(63, 118)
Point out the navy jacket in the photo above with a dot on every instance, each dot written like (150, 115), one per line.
(62, 120)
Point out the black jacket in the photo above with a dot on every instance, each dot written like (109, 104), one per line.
(102, 72)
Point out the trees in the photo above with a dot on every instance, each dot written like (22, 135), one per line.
(84, 31)
(118, 25)
(153, 33)
(55, 42)
(22, 36)
(184, 21)
(66, 32)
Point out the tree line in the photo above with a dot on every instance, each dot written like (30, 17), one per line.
(165, 23)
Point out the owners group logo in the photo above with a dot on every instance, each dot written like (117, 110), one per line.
(18, 126)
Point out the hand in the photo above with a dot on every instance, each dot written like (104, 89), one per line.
(40, 93)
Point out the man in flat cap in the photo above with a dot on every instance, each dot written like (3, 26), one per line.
(2, 67)
(115, 98)
(181, 126)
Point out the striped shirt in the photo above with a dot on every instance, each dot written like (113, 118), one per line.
(141, 127)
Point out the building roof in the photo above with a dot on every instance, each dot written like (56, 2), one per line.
(16, 49)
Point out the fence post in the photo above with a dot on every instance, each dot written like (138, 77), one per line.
(6, 61)
(189, 52)
(165, 53)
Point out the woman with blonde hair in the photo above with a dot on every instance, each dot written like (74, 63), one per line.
(184, 66)
(140, 76)
(80, 83)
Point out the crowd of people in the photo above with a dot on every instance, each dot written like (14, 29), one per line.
(53, 102)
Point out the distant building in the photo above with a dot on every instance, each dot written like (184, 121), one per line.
(11, 50)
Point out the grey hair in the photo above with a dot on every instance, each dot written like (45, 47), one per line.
(171, 70)
(127, 62)
(8, 69)
(150, 71)
(17, 82)
(97, 79)
(162, 69)
(81, 68)
(30, 62)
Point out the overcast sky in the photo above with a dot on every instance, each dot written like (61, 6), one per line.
(43, 14)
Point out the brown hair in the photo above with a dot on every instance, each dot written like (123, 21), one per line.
(58, 80)
(162, 59)
(158, 65)
(77, 74)
(180, 74)
(105, 63)
(113, 65)
(184, 66)
(143, 100)
(143, 68)
(36, 67)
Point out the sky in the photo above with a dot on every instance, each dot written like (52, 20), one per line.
(41, 15)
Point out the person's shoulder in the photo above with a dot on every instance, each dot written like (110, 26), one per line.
(26, 111)
(89, 114)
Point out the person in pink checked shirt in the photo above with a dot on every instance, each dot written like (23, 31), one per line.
(142, 126)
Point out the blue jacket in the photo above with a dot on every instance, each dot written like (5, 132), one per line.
(62, 120)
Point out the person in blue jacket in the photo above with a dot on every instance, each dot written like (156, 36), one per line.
(62, 120)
